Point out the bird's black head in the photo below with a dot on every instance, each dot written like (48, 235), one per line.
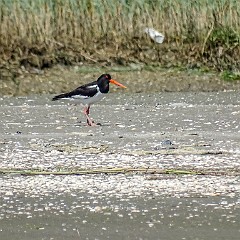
(104, 77)
(103, 83)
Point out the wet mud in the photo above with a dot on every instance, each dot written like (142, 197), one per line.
(173, 161)
(137, 78)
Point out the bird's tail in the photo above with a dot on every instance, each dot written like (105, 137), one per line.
(64, 95)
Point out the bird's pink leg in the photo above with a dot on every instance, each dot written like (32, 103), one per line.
(86, 112)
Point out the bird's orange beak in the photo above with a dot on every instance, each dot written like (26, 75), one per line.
(117, 83)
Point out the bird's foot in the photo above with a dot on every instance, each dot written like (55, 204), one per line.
(91, 123)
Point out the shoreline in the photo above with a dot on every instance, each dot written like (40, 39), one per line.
(138, 78)
(203, 128)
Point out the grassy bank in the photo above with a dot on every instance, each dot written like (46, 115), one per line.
(42, 33)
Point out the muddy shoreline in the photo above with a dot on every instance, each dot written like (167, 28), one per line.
(38, 134)
(136, 77)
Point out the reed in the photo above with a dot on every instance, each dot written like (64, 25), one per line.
(206, 31)
(152, 172)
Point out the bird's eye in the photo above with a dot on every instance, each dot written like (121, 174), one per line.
(106, 76)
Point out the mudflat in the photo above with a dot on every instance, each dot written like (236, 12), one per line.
(138, 80)
(157, 166)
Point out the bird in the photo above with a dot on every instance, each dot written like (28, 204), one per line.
(90, 93)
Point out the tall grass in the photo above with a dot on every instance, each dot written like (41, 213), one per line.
(96, 30)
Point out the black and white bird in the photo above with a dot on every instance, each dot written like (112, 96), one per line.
(90, 93)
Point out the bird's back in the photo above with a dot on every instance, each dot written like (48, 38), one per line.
(82, 92)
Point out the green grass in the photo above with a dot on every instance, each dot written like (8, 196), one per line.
(230, 76)
(98, 30)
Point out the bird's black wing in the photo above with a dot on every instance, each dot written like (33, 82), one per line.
(84, 91)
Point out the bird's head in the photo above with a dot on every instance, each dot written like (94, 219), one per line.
(106, 78)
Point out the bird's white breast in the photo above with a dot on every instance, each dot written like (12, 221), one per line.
(90, 100)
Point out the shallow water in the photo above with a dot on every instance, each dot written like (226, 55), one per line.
(37, 134)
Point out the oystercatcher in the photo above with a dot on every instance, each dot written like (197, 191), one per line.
(90, 93)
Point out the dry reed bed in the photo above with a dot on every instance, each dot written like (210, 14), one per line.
(43, 32)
